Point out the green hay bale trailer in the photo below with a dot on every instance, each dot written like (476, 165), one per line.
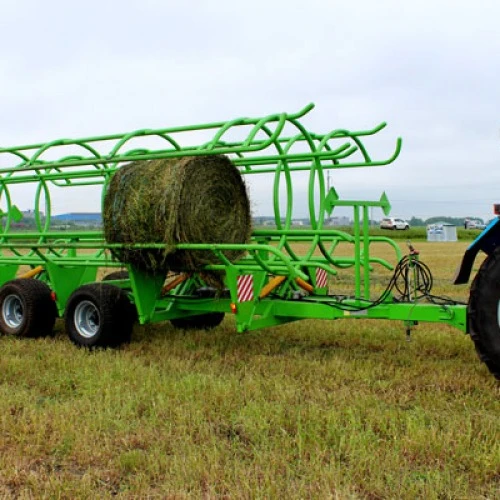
(284, 272)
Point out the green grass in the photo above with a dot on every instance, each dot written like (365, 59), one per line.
(344, 409)
(414, 233)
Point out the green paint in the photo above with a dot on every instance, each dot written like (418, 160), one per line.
(279, 144)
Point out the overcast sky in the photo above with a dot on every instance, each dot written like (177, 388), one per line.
(431, 69)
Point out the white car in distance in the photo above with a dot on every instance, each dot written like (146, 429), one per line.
(394, 223)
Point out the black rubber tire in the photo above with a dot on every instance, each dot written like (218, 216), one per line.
(113, 316)
(27, 308)
(199, 322)
(205, 321)
(483, 312)
(116, 275)
(122, 275)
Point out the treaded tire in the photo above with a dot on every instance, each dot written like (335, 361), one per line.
(205, 321)
(99, 315)
(122, 275)
(484, 311)
(199, 322)
(116, 275)
(27, 308)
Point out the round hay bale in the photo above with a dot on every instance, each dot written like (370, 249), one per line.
(199, 199)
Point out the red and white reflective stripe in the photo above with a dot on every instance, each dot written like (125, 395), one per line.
(321, 278)
(245, 287)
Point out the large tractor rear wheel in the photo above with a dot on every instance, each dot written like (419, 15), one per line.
(484, 312)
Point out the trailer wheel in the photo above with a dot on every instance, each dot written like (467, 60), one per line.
(199, 322)
(205, 321)
(27, 308)
(484, 312)
(116, 275)
(99, 315)
(122, 275)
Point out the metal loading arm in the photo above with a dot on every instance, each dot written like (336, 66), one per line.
(263, 145)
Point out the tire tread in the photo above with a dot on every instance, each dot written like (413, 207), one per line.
(486, 281)
(116, 315)
(40, 309)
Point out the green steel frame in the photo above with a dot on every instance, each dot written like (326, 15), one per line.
(71, 259)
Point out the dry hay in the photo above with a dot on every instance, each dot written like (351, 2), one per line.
(184, 200)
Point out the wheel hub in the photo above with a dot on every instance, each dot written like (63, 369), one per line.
(87, 319)
(13, 311)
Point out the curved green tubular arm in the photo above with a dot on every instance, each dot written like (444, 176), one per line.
(247, 143)
(286, 261)
(66, 181)
(346, 262)
(216, 141)
(63, 142)
(138, 151)
(215, 146)
(284, 164)
(34, 162)
(141, 152)
(323, 144)
(283, 265)
(322, 155)
(4, 193)
(304, 151)
(382, 262)
(302, 136)
(302, 112)
(96, 237)
(282, 167)
(277, 269)
(292, 233)
(342, 262)
(241, 161)
(334, 237)
(42, 147)
(392, 243)
(320, 265)
(98, 175)
(98, 246)
(341, 133)
(281, 140)
(315, 170)
(14, 152)
(328, 254)
(268, 266)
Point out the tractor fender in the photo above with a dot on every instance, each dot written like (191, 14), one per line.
(487, 241)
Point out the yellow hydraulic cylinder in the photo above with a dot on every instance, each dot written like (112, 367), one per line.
(275, 282)
(172, 284)
(32, 272)
(304, 285)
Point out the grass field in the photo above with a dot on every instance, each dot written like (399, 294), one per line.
(344, 409)
(414, 233)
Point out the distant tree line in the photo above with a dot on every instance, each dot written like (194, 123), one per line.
(456, 221)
